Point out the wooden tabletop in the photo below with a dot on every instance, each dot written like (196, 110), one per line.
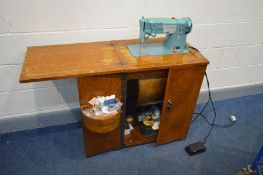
(88, 59)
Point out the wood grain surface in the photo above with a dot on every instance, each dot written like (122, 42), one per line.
(136, 137)
(70, 60)
(90, 87)
(150, 90)
(88, 59)
(104, 85)
(101, 123)
(144, 63)
(98, 143)
(182, 89)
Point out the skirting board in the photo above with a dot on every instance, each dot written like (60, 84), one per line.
(40, 119)
(71, 114)
(231, 92)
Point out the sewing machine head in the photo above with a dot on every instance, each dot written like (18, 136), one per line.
(175, 29)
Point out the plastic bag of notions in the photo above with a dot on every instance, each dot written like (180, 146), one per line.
(102, 106)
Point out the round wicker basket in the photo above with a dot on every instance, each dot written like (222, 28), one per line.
(101, 124)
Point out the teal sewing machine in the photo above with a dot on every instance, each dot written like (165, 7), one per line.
(175, 41)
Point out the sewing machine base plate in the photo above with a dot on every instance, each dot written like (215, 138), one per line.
(153, 49)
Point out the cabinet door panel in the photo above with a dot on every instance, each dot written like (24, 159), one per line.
(182, 89)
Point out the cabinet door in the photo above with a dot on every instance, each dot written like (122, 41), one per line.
(182, 89)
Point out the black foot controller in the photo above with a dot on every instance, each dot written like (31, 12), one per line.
(195, 148)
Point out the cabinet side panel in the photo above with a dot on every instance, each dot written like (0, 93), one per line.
(95, 143)
(90, 87)
(182, 89)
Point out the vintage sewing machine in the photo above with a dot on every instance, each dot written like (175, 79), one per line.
(175, 29)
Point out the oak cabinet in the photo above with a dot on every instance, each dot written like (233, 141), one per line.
(106, 68)
(178, 102)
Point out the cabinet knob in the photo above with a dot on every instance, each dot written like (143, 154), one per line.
(169, 105)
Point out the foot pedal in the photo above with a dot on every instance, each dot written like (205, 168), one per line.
(195, 148)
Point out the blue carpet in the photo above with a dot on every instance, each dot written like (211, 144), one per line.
(59, 149)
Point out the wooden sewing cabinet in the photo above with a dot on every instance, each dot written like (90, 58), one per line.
(105, 68)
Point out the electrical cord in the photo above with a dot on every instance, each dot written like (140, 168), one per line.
(198, 114)
(214, 110)
(191, 47)
(218, 125)
(212, 124)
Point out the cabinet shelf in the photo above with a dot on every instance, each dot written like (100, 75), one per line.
(136, 137)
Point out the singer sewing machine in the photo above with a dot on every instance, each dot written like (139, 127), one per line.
(175, 29)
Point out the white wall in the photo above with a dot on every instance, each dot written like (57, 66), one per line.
(228, 32)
